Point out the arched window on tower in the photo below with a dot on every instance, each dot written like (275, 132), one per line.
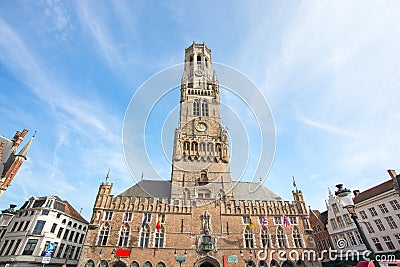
(186, 146)
(206, 60)
(144, 236)
(196, 108)
(280, 237)
(194, 146)
(210, 148)
(204, 109)
(159, 238)
(124, 235)
(203, 177)
(248, 237)
(198, 60)
(202, 148)
(297, 237)
(265, 242)
(104, 233)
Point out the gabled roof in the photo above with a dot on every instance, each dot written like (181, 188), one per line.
(374, 191)
(6, 155)
(162, 189)
(60, 205)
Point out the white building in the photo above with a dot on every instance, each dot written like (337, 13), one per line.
(341, 228)
(378, 210)
(5, 219)
(39, 222)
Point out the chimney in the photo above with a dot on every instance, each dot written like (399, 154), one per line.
(356, 192)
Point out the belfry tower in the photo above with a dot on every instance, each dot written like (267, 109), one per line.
(200, 161)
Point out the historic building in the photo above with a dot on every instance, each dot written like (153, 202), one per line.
(378, 210)
(201, 217)
(39, 222)
(318, 222)
(10, 159)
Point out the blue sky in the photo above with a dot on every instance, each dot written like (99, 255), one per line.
(330, 71)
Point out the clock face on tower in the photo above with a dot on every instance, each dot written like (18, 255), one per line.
(199, 73)
(201, 126)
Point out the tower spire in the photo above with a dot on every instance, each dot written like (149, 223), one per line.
(108, 175)
(24, 151)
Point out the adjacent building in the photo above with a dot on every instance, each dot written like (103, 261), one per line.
(378, 210)
(201, 217)
(5, 219)
(319, 222)
(39, 222)
(11, 160)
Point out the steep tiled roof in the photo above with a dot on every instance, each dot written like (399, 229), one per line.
(162, 189)
(374, 191)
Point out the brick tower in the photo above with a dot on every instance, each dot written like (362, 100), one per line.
(200, 162)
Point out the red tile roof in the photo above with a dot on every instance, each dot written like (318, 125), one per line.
(374, 191)
(73, 213)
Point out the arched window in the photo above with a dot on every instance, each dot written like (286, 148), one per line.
(280, 237)
(204, 109)
(104, 233)
(90, 263)
(194, 146)
(147, 264)
(144, 236)
(160, 264)
(103, 263)
(206, 62)
(199, 59)
(75, 224)
(297, 238)
(69, 223)
(203, 147)
(203, 177)
(134, 264)
(218, 148)
(210, 147)
(248, 238)
(124, 235)
(196, 108)
(265, 242)
(159, 238)
(186, 145)
(64, 221)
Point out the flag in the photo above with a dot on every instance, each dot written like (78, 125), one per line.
(251, 225)
(264, 222)
(158, 225)
(144, 220)
(286, 222)
(294, 182)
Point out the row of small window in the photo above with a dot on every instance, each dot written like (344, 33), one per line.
(351, 238)
(128, 216)
(10, 247)
(75, 225)
(394, 203)
(266, 240)
(379, 224)
(323, 244)
(387, 240)
(317, 228)
(104, 263)
(278, 220)
(124, 235)
(338, 222)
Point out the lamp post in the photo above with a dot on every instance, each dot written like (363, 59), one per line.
(344, 195)
(180, 259)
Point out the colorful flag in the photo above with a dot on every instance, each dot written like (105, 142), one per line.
(144, 220)
(251, 225)
(158, 225)
(264, 222)
(294, 182)
(286, 222)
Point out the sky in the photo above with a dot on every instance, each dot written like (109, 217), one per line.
(329, 70)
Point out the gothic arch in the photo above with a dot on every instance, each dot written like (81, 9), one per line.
(207, 261)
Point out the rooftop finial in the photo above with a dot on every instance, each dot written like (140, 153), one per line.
(141, 178)
(108, 175)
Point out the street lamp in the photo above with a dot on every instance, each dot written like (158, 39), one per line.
(180, 259)
(344, 196)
